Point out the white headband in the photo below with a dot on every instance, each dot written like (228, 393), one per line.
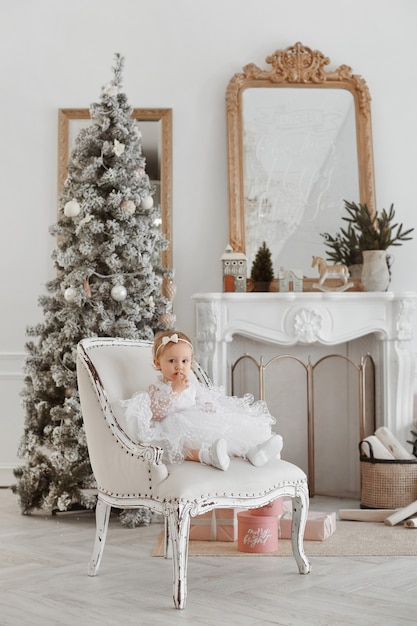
(174, 339)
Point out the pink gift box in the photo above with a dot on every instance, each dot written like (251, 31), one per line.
(319, 526)
(216, 525)
(257, 533)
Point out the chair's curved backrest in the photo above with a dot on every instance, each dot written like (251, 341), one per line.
(124, 365)
(110, 370)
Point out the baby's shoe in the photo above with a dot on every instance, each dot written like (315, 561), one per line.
(262, 453)
(216, 455)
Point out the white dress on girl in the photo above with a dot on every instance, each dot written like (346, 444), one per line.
(196, 418)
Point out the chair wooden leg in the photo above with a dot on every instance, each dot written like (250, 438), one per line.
(103, 511)
(179, 526)
(299, 518)
(167, 540)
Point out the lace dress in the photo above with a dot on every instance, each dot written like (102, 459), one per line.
(196, 417)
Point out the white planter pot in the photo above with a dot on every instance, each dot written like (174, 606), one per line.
(375, 273)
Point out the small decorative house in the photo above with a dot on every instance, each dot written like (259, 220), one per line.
(290, 280)
(234, 270)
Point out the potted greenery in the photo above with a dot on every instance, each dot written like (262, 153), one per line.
(262, 272)
(365, 232)
(343, 247)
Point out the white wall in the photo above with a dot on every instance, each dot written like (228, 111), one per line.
(179, 54)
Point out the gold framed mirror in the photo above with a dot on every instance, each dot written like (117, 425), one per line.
(299, 144)
(156, 128)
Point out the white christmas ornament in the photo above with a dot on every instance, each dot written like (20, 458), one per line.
(72, 208)
(150, 303)
(119, 293)
(147, 202)
(118, 148)
(139, 171)
(70, 294)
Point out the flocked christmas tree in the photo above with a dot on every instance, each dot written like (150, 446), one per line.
(108, 283)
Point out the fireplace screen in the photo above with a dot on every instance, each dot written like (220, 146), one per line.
(323, 410)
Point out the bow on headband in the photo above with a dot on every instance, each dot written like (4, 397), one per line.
(173, 338)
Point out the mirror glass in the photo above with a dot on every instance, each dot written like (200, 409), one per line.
(300, 162)
(156, 128)
(300, 144)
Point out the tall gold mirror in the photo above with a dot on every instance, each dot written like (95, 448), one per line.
(156, 128)
(299, 144)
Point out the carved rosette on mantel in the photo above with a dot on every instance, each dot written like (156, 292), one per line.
(308, 325)
(311, 319)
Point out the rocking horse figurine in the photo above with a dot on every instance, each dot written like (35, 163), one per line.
(340, 272)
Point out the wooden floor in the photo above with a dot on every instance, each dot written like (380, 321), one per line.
(44, 581)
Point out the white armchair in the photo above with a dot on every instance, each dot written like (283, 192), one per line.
(132, 475)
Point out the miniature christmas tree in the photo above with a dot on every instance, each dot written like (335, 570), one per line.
(108, 283)
(262, 271)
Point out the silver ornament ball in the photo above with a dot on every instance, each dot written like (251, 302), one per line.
(70, 294)
(119, 293)
(147, 202)
(72, 208)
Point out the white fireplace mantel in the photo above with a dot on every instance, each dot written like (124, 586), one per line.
(327, 318)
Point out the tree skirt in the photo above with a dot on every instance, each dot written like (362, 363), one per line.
(350, 539)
